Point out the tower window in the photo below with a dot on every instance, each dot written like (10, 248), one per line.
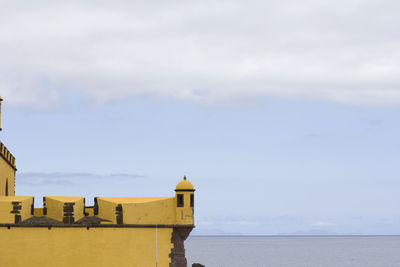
(6, 191)
(192, 200)
(179, 200)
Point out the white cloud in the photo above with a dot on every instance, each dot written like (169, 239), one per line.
(204, 52)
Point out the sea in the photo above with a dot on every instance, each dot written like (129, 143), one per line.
(294, 251)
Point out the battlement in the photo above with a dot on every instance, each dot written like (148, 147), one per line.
(71, 211)
(7, 156)
(14, 209)
(117, 211)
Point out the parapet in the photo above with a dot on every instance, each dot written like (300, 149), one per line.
(14, 210)
(7, 156)
(60, 211)
(137, 210)
(64, 209)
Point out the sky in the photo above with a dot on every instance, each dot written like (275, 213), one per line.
(283, 114)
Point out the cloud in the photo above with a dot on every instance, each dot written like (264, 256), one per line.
(207, 52)
(67, 178)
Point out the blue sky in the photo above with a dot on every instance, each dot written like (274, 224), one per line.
(273, 166)
(284, 114)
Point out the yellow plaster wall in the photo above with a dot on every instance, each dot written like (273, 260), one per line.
(139, 210)
(185, 214)
(6, 207)
(38, 212)
(6, 172)
(89, 211)
(55, 207)
(26, 211)
(107, 210)
(155, 212)
(96, 247)
(5, 212)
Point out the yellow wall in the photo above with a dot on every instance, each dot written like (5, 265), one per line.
(146, 210)
(89, 211)
(6, 172)
(55, 207)
(66, 247)
(106, 210)
(156, 212)
(184, 215)
(38, 212)
(6, 208)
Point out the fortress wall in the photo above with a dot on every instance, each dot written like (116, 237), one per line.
(7, 172)
(137, 210)
(157, 212)
(93, 247)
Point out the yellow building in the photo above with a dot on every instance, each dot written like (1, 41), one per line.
(131, 231)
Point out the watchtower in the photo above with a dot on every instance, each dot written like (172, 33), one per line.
(184, 202)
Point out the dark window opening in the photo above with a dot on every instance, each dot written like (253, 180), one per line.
(179, 199)
(192, 200)
(6, 188)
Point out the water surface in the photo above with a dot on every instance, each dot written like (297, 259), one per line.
(335, 251)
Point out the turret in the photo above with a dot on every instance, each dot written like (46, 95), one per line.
(184, 202)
